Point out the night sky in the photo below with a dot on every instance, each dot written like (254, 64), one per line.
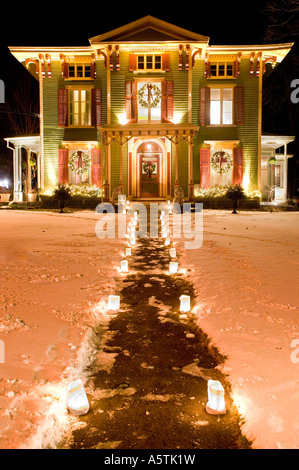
(72, 24)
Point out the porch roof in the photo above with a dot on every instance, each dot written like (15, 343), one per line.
(168, 130)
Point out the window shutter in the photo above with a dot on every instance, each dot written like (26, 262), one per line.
(239, 104)
(92, 69)
(205, 168)
(204, 111)
(65, 70)
(96, 168)
(131, 101)
(62, 107)
(238, 166)
(96, 107)
(167, 100)
(132, 62)
(166, 62)
(63, 166)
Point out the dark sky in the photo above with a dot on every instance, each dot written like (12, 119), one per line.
(72, 24)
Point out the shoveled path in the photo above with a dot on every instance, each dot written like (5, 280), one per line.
(154, 397)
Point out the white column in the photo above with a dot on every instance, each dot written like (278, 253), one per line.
(285, 173)
(17, 172)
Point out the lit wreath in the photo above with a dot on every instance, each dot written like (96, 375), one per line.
(155, 93)
(216, 162)
(85, 163)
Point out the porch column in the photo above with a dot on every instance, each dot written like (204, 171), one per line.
(17, 172)
(176, 161)
(38, 172)
(190, 168)
(107, 166)
(121, 182)
(285, 173)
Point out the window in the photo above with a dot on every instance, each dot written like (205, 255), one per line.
(149, 62)
(79, 107)
(221, 106)
(278, 175)
(221, 69)
(77, 70)
(149, 101)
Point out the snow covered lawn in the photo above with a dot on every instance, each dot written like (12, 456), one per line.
(246, 276)
(54, 270)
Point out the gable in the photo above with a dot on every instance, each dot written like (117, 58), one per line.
(150, 29)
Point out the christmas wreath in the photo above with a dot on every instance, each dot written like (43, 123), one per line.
(79, 162)
(153, 93)
(221, 162)
(149, 168)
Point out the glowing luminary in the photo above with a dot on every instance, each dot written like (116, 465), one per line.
(167, 241)
(185, 303)
(136, 215)
(128, 203)
(164, 232)
(113, 302)
(168, 202)
(77, 401)
(128, 252)
(173, 267)
(162, 215)
(172, 252)
(132, 240)
(216, 402)
(124, 266)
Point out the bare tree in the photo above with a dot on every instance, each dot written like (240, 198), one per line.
(282, 18)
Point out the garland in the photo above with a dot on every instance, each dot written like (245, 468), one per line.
(85, 162)
(221, 157)
(154, 92)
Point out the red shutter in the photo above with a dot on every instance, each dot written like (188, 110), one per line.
(62, 107)
(131, 101)
(97, 107)
(96, 168)
(204, 109)
(205, 168)
(238, 166)
(132, 62)
(166, 62)
(167, 100)
(239, 104)
(63, 166)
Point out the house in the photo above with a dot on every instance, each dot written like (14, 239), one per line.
(149, 107)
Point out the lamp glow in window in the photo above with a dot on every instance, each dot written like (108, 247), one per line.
(113, 302)
(124, 266)
(77, 401)
(172, 252)
(167, 241)
(173, 267)
(216, 402)
(185, 303)
(128, 252)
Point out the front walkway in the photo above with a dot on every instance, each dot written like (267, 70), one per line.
(155, 394)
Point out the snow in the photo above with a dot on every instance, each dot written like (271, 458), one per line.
(56, 278)
(246, 281)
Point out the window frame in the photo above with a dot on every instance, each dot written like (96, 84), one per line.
(149, 120)
(80, 89)
(219, 63)
(76, 65)
(153, 55)
(221, 88)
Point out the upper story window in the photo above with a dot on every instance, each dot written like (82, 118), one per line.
(149, 62)
(221, 106)
(79, 70)
(221, 69)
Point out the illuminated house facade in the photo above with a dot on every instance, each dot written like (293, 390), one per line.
(149, 107)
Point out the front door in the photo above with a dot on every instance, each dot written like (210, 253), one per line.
(149, 175)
